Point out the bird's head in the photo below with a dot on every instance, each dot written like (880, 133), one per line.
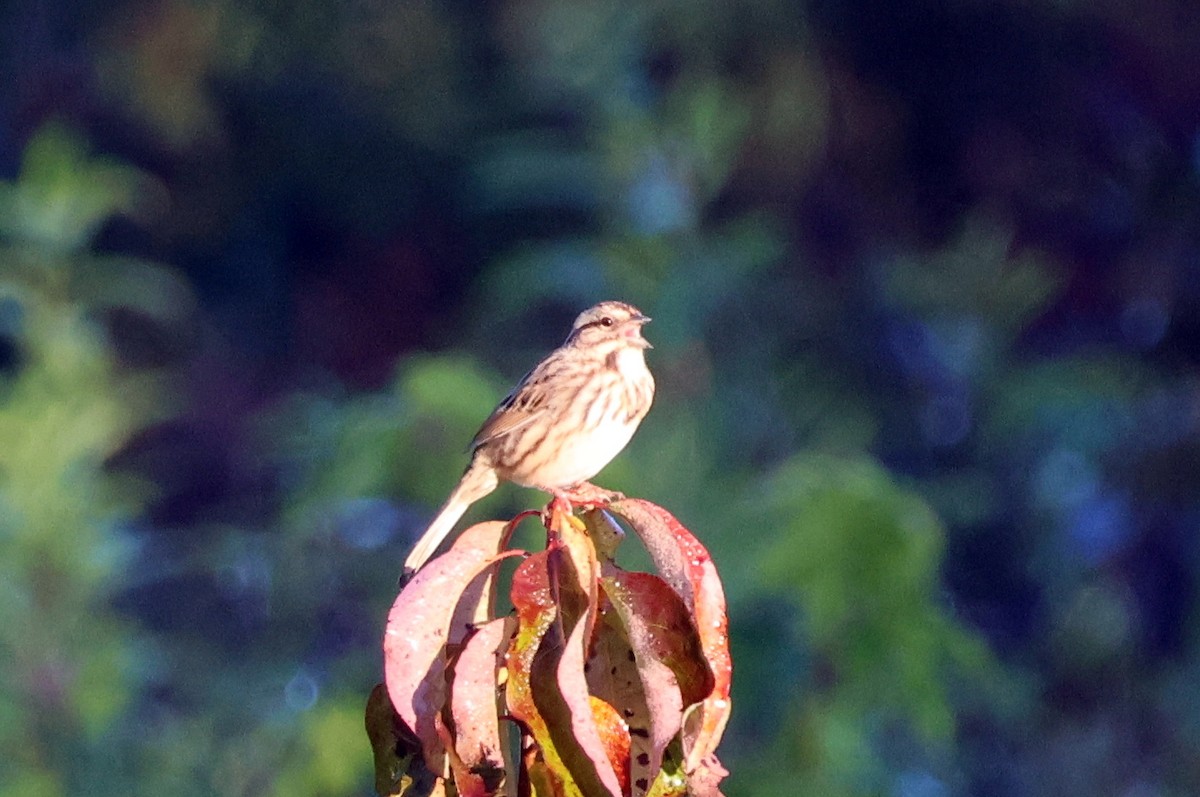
(610, 322)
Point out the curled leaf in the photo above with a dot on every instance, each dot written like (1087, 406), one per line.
(536, 611)
(614, 737)
(479, 736)
(686, 565)
(666, 649)
(576, 562)
(419, 626)
(613, 675)
(561, 692)
(617, 682)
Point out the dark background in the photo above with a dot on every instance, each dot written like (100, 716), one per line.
(926, 286)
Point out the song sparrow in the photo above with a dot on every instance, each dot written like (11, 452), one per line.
(562, 423)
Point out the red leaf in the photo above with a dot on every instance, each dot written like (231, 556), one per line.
(685, 564)
(473, 692)
(657, 530)
(614, 736)
(666, 647)
(419, 626)
(660, 628)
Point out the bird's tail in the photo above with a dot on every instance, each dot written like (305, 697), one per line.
(478, 481)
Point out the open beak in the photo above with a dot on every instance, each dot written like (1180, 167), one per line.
(634, 331)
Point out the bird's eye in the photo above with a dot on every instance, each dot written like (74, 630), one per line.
(606, 321)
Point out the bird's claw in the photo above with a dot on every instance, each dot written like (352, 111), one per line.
(588, 495)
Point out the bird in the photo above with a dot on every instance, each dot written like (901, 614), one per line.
(562, 423)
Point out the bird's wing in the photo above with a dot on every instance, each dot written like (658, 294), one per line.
(524, 405)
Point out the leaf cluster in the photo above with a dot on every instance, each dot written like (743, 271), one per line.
(601, 681)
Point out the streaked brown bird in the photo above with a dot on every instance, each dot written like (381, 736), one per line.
(562, 423)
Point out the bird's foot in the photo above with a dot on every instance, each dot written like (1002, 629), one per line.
(587, 495)
(584, 495)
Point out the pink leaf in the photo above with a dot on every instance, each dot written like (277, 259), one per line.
(704, 779)
(418, 629)
(473, 707)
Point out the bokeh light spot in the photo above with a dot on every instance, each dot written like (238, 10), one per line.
(301, 691)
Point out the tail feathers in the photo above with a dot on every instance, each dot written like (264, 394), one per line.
(438, 530)
(475, 484)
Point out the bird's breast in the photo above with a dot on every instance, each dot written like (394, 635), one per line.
(592, 424)
(628, 362)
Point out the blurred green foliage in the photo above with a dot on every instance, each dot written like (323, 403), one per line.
(861, 558)
(923, 287)
(72, 666)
